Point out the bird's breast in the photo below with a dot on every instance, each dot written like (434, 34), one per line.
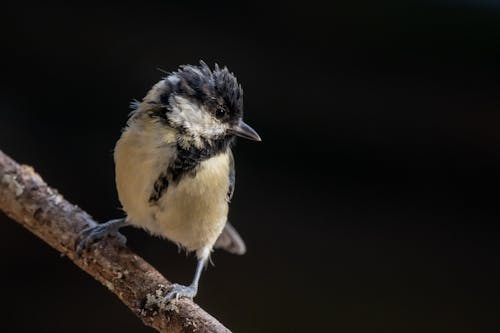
(193, 211)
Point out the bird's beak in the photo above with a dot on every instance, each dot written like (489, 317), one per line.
(245, 131)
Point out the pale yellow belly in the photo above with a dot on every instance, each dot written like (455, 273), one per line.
(194, 212)
(191, 213)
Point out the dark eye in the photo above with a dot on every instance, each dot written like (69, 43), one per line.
(220, 113)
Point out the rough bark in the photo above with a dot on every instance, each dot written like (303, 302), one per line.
(27, 199)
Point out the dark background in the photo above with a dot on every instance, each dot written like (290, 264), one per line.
(370, 206)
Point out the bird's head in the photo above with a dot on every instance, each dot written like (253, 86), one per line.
(204, 106)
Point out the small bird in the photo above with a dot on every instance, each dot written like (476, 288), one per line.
(174, 167)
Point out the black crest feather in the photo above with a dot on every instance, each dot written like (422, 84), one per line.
(213, 88)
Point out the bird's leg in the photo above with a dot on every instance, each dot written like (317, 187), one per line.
(190, 291)
(90, 235)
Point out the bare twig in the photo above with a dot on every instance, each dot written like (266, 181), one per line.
(26, 198)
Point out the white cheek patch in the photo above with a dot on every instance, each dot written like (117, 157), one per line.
(197, 121)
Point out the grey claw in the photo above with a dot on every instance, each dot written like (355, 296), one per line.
(121, 238)
(91, 235)
(177, 291)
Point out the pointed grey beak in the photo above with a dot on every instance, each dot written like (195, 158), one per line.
(245, 131)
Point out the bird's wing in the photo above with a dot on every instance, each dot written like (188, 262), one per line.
(229, 239)
(232, 176)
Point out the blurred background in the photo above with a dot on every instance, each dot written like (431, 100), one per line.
(371, 204)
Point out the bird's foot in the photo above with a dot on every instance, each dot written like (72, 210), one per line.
(178, 290)
(91, 235)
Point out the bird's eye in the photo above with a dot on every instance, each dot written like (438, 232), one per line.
(220, 113)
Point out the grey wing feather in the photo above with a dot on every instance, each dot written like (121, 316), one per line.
(232, 176)
(229, 239)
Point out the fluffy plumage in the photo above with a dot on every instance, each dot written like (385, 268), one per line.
(174, 167)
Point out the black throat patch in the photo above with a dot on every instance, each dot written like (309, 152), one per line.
(188, 159)
(186, 163)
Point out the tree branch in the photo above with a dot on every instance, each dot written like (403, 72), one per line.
(27, 199)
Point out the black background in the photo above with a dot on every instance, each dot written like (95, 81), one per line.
(371, 204)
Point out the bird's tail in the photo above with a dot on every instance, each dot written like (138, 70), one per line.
(230, 241)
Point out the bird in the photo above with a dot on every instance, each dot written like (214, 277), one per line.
(174, 168)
